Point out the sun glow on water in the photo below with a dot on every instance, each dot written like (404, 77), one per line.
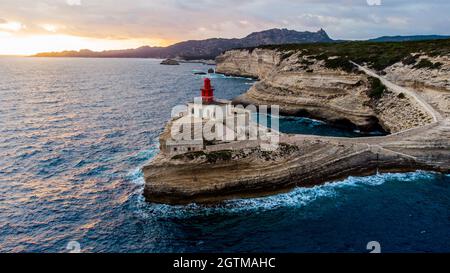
(14, 44)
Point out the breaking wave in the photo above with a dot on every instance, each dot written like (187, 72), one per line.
(297, 198)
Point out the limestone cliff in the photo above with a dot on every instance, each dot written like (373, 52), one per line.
(214, 176)
(421, 71)
(428, 75)
(308, 85)
(257, 63)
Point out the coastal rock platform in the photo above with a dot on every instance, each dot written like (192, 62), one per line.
(299, 161)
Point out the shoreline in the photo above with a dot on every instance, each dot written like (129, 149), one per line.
(319, 160)
(238, 193)
(300, 161)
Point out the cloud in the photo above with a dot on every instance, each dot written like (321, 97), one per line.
(51, 27)
(176, 20)
(374, 2)
(73, 2)
(11, 26)
(398, 21)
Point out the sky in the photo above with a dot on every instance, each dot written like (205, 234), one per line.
(31, 26)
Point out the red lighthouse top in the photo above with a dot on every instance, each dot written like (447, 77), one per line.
(207, 91)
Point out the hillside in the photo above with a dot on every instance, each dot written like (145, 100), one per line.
(203, 49)
(320, 81)
(376, 55)
(409, 38)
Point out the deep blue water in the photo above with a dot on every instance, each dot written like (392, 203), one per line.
(302, 125)
(74, 133)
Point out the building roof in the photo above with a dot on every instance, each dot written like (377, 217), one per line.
(214, 102)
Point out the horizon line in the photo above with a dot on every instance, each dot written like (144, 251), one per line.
(146, 45)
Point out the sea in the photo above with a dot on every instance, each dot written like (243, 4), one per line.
(75, 133)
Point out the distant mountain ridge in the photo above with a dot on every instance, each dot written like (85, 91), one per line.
(409, 38)
(204, 49)
(211, 48)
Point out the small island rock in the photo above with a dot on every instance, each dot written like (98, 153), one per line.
(170, 62)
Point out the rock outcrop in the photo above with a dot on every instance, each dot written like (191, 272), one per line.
(303, 85)
(300, 161)
(257, 63)
(432, 83)
(399, 113)
(170, 62)
(411, 74)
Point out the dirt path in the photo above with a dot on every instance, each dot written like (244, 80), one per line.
(428, 139)
(399, 89)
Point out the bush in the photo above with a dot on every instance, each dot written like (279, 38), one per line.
(377, 55)
(321, 57)
(224, 155)
(339, 63)
(427, 64)
(306, 62)
(377, 88)
(410, 59)
(286, 55)
(211, 157)
(438, 65)
(190, 155)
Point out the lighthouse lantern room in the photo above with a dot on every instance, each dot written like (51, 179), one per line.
(207, 91)
(207, 107)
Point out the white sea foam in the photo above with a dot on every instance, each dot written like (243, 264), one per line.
(299, 197)
(136, 176)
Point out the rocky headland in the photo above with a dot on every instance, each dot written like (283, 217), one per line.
(309, 85)
(407, 94)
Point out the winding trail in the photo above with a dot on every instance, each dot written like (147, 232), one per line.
(378, 144)
(399, 89)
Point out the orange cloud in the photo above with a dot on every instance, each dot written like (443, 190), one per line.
(20, 44)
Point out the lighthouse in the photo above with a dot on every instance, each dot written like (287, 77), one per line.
(206, 118)
(207, 107)
(207, 91)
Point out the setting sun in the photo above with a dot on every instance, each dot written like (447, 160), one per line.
(31, 44)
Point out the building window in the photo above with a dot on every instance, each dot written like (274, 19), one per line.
(192, 111)
(189, 149)
(174, 149)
